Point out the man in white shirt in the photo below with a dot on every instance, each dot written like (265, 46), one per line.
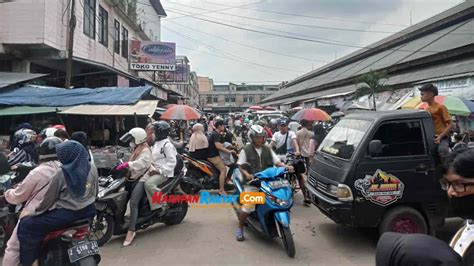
(285, 136)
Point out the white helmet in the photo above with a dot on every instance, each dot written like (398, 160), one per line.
(256, 131)
(138, 134)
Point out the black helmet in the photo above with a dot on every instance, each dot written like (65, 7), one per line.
(162, 130)
(219, 122)
(47, 148)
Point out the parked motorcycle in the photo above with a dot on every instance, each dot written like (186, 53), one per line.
(111, 206)
(271, 219)
(202, 175)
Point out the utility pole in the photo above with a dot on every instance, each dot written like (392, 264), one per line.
(72, 26)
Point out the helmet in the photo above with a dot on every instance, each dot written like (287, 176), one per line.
(274, 121)
(162, 130)
(219, 122)
(137, 135)
(25, 136)
(256, 131)
(48, 132)
(283, 121)
(47, 148)
(260, 123)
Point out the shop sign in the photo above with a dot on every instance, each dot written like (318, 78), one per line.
(152, 56)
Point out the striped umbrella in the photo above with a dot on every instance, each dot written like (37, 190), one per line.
(311, 114)
(181, 112)
(456, 105)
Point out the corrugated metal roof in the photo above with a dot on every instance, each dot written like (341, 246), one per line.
(158, 7)
(449, 30)
(446, 70)
(12, 78)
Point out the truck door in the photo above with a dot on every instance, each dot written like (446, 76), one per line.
(399, 172)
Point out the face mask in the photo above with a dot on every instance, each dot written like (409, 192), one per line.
(133, 145)
(463, 206)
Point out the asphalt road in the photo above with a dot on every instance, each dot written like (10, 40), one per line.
(206, 237)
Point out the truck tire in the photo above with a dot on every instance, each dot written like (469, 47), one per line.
(403, 219)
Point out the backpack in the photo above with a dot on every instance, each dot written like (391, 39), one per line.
(179, 161)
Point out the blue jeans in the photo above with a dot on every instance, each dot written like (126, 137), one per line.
(33, 229)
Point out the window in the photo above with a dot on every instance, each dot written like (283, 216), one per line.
(227, 99)
(232, 99)
(214, 99)
(124, 42)
(103, 26)
(209, 99)
(89, 18)
(344, 138)
(401, 138)
(246, 100)
(250, 99)
(116, 37)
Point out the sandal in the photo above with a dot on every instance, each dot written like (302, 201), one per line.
(307, 203)
(239, 235)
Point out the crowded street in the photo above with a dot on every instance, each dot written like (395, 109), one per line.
(237, 132)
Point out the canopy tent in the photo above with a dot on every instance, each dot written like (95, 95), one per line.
(26, 110)
(143, 107)
(52, 96)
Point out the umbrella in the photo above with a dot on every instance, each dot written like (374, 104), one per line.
(181, 112)
(456, 105)
(256, 107)
(311, 114)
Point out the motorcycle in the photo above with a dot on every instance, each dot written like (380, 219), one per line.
(9, 213)
(271, 219)
(111, 205)
(202, 175)
(66, 246)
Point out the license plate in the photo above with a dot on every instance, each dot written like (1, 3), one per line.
(82, 250)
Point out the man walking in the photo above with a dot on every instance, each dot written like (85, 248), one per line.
(303, 137)
(441, 119)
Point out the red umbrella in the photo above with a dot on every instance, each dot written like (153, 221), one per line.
(256, 107)
(311, 114)
(181, 112)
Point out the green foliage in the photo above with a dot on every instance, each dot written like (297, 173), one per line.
(371, 83)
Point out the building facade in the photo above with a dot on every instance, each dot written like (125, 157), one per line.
(233, 97)
(38, 43)
(439, 50)
(205, 84)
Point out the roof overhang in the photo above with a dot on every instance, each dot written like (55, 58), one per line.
(141, 108)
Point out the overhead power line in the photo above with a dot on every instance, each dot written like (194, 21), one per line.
(283, 22)
(249, 46)
(240, 59)
(308, 16)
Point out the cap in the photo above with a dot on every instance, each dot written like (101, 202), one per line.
(430, 87)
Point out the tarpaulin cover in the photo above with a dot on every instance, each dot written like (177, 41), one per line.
(143, 107)
(26, 110)
(51, 96)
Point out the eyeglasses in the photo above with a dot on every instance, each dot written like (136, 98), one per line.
(457, 187)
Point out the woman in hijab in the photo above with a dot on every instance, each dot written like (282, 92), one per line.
(69, 197)
(81, 137)
(198, 143)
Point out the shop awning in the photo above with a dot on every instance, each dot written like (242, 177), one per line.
(143, 107)
(26, 110)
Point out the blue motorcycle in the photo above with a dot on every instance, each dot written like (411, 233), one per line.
(271, 219)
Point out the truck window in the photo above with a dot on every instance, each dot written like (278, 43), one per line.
(404, 138)
(344, 138)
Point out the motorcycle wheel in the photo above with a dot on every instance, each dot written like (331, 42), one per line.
(179, 211)
(188, 188)
(102, 228)
(287, 240)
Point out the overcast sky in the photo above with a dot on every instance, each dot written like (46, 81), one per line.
(226, 61)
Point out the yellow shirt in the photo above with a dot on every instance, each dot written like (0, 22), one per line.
(440, 115)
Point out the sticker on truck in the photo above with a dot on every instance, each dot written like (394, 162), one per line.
(381, 188)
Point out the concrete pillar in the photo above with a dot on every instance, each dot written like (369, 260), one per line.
(21, 66)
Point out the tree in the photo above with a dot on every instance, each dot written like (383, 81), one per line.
(371, 83)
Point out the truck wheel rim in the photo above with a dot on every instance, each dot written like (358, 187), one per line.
(405, 225)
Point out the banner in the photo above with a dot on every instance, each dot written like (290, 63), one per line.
(179, 76)
(152, 56)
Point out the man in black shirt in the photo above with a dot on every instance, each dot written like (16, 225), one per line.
(215, 145)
